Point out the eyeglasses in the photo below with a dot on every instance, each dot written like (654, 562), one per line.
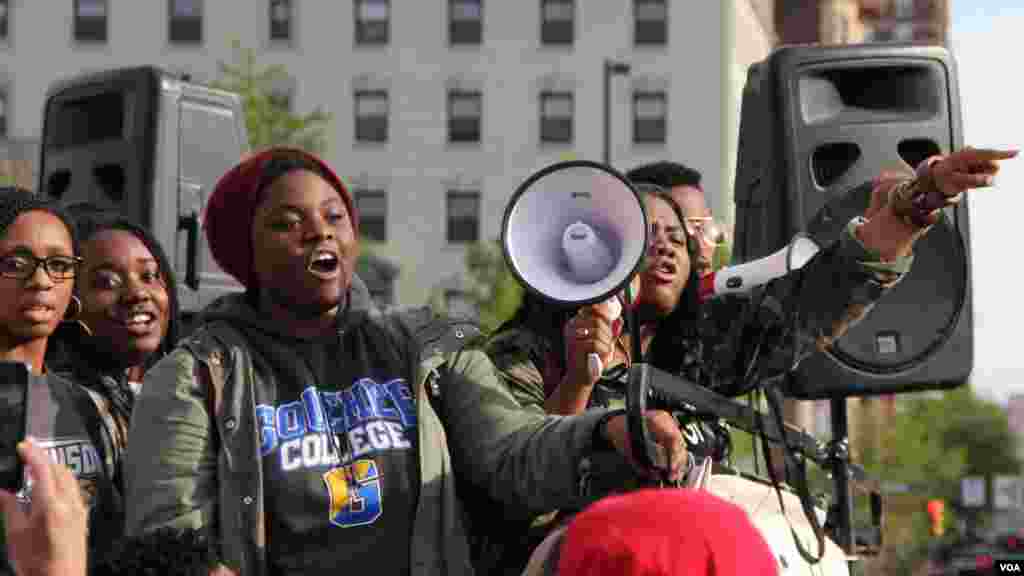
(22, 266)
(707, 230)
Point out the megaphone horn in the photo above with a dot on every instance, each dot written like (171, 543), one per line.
(575, 232)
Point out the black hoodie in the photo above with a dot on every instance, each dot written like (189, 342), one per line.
(316, 398)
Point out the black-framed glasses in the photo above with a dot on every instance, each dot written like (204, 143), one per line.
(22, 266)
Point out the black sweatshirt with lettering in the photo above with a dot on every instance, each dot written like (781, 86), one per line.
(338, 446)
(64, 421)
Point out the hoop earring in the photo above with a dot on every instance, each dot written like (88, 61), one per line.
(72, 317)
(74, 309)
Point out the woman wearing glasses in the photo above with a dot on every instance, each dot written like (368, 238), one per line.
(684, 185)
(38, 265)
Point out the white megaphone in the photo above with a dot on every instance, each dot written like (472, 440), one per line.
(743, 277)
(575, 233)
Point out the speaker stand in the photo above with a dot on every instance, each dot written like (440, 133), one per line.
(842, 505)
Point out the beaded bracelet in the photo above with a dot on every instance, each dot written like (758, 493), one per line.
(917, 201)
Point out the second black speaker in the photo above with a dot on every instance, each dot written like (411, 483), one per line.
(817, 122)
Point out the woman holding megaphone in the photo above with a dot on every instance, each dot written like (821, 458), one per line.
(832, 291)
(713, 342)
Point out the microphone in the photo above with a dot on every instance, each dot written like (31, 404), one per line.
(744, 277)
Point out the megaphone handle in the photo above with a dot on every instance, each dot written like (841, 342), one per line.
(594, 366)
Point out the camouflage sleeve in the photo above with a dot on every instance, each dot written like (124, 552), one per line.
(513, 355)
(821, 302)
(521, 458)
(171, 465)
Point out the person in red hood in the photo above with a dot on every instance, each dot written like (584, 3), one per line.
(656, 532)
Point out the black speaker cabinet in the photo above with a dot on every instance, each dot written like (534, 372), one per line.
(99, 135)
(151, 146)
(817, 123)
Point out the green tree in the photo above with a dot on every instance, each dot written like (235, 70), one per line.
(935, 441)
(494, 291)
(268, 116)
(722, 256)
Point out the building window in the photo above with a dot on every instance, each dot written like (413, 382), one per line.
(650, 18)
(5, 8)
(556, 22)
(185, 21)
(90, 21)
(372, 21)
(465, 110)
(465, 22)
(463, 216)
(371, 116)
(280, 20)
(459, 304)
(556, 113)
(649, 117)
(3, 112)
(372, 207)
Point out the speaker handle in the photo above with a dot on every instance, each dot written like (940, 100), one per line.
(190, 223)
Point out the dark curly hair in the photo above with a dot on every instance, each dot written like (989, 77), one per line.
(680, 324)
(665, 174)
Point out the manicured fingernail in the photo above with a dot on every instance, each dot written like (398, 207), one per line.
(989, 180)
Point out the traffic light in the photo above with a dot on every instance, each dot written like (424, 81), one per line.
(937, 514)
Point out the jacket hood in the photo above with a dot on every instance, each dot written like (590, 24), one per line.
(236, 309)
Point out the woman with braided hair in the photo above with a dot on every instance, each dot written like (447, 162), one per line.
(39, 262)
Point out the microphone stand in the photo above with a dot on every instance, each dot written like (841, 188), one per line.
(841, 513)
(652, 388)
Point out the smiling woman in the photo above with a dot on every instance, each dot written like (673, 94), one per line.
(126, 320)
(128, 296)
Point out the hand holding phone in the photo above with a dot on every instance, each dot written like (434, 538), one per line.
(47, 537)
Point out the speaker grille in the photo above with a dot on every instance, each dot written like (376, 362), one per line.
(917, 317)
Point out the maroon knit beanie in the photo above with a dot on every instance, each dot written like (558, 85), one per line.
(232, 205)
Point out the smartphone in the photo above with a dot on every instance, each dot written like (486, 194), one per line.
(14, 387)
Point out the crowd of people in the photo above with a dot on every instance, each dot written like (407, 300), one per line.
(298, 427)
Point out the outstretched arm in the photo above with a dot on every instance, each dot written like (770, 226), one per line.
(843, 282)
(904, 209)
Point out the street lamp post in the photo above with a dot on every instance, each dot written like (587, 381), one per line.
(610, 69)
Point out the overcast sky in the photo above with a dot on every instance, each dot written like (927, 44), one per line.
(988, 42)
